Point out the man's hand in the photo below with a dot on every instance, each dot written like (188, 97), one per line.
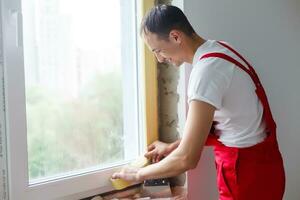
(128, 173)
(158, 150)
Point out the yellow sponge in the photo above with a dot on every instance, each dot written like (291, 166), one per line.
(120, 184)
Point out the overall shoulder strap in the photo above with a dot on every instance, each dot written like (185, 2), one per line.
(271, 125)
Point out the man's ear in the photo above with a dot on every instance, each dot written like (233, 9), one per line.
(175, 36)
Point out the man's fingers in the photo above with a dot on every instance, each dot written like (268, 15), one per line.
(116, 175)
(147, 155)
(121, 175)
(127, 173)
(159, 158)
(150, 154)
(154, 158)
(151, 147)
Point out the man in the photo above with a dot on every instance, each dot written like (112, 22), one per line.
(225, 94)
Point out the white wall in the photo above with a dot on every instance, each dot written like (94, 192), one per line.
(268, 33)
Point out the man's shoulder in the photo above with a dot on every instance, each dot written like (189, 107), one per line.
(213, 46)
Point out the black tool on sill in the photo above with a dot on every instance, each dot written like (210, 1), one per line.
(157, 188)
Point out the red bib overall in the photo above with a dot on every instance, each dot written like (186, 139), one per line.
(252, 173)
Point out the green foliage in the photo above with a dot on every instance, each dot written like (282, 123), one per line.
(78, 133)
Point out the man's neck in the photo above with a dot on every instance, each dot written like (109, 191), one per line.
(193, 45)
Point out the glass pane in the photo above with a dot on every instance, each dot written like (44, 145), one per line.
(74, 92)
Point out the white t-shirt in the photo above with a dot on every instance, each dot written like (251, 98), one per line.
(232, 92)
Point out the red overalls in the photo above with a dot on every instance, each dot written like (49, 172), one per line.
(252, 173)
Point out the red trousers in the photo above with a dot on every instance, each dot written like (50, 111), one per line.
(254, 173)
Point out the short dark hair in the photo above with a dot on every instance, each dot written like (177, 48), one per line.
(163, 18)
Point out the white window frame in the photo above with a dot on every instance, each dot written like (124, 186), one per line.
(90, 181)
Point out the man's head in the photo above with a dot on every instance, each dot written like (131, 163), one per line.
(166, 30)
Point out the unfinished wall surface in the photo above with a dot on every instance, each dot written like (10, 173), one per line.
(168, 76)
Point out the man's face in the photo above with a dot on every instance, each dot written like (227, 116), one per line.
(167, 51)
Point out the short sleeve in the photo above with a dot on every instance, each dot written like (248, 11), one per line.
(209, 80)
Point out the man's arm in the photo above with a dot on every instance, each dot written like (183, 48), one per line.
(187, 154)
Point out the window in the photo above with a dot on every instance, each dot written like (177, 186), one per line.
(76, 86)
(74, 101)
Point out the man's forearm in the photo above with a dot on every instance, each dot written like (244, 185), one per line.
(174, 164)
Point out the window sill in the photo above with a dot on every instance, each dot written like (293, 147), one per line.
(74, 187)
